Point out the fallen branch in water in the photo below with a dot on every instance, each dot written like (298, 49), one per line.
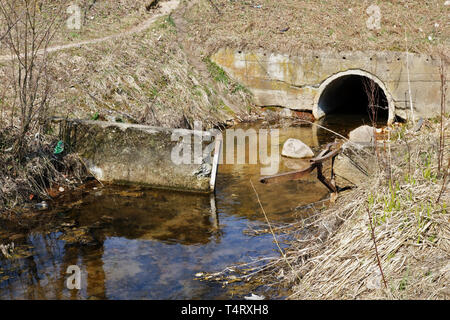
(273, 233)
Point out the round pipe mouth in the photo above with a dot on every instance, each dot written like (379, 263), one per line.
(353, 91)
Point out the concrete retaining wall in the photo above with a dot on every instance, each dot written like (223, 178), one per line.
(296, 81)
(128, 153)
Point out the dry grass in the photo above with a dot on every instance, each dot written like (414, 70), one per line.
(103, 18)
(340, 25)
(99, 18)
(142, 78)
(333, 252)
(412, 233)
(30, 179)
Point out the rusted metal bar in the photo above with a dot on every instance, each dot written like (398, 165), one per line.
(333, 180)
(293, 175)
(324, 180)
(330, 152)
(325, 157)
(323, 152)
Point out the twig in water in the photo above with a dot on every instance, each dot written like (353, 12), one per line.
(337, 134)
(372, 93)
(273, 233)
(375, 244)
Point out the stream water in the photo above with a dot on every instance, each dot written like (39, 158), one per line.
(135, 243)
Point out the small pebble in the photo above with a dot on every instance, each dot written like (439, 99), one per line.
(41, 206)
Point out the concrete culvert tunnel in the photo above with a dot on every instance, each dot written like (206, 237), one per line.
(352, 94)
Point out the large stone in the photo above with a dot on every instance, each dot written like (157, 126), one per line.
(286, 113)
(353, 165)
(296, 164)
(364, 135)
(294, 148)
(348, 173)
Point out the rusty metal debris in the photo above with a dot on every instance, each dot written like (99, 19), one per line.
(330, 152)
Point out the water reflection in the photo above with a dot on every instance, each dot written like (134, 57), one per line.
(172, 217)
(343, 124)
(131, 244)
(135, 243)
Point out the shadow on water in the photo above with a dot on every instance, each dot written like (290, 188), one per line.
(139, 244)
(136, 243)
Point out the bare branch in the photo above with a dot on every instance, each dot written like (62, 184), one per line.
(29, 35)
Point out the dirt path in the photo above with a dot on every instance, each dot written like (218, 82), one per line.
(180, 24)
(165, 8)
(194, 58)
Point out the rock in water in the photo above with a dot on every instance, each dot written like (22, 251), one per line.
(354, 165)
(294, 148)
(254, 297)
(286, 113)
(363, 135)
(204, 170)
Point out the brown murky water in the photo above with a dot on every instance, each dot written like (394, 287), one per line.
(133, 243)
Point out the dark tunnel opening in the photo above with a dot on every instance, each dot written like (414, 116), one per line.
(346, 103)
(351, 95)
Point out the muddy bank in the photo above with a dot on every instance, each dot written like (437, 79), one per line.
(36, 172)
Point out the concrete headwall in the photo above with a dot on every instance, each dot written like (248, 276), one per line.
(296, 81)
(128, 153)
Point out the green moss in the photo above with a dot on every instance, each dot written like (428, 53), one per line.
(152, 92)
(73, 35)
(166, 23)
(196, 91)
(207, 91)
(237, 87)
(217, 72)
(170, 21)
(228, 110)
(95, 116)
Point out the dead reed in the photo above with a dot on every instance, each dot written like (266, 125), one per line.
(401, 252)
(411, 232)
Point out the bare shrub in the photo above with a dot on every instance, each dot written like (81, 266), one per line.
(27, 38)
(28, 166)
